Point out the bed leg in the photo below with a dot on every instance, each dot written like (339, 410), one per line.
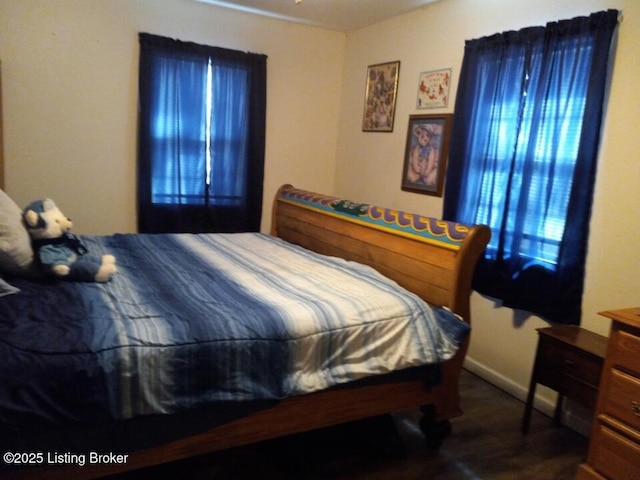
(434, 431)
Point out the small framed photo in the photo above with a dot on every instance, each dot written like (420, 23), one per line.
(425, 157)
(380, 97)
(433, 88)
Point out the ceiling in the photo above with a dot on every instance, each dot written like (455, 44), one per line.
(341, 15)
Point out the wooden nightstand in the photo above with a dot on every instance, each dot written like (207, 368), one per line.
(569, 360)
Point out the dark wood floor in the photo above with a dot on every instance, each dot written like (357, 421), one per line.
(486, 443)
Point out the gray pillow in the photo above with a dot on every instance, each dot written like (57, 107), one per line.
(16, 254)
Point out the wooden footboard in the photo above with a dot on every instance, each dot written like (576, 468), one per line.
(429, 257)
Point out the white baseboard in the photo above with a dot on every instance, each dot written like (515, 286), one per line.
(574, 416)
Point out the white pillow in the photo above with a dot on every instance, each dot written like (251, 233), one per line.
(16, 254)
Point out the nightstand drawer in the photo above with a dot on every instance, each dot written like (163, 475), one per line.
(555, 361)
(615, 456)
(625, 351)
(622, 399)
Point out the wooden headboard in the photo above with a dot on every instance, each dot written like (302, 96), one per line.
(433, 258)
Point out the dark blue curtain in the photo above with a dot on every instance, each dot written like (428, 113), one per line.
(523, 158)
(201, 137)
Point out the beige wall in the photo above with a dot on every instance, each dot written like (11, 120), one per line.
(69, 83)
(369, 164)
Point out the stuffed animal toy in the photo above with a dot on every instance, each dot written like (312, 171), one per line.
(60, 252)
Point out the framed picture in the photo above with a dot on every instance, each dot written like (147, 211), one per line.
(425, 157)
(433, 88)
(380, 97)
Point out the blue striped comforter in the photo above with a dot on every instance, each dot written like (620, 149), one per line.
(191, 320)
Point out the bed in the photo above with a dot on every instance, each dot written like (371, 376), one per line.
(377, 321)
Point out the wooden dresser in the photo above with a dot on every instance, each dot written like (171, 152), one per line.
(614, 447)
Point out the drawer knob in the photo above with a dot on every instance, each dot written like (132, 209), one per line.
(635, 407)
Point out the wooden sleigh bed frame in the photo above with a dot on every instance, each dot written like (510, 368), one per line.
(438, 268)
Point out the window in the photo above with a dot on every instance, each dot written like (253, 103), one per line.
(201, 137)
(523, 158)
(544, 185)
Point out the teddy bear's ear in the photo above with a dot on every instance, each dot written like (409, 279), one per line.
(31, 218)
(48, 204)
